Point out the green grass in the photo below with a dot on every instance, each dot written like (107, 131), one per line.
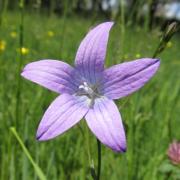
(151, 115)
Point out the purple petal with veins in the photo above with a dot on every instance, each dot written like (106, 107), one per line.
(53, 74)
(92, 51)
(123, 79)
(105, 122)
(64, 112)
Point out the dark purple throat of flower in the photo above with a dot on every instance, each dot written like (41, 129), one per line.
(88, 89)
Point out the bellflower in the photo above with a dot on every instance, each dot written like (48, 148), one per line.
(88, 89)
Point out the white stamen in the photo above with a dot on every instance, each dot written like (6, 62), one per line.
(91, 91)
(88, 90)
(81, 87)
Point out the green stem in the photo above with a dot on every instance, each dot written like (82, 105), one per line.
(91, 162)
(156, 52)
(99, 160)
(21, 43)
(63, 26)
(3, 11)
(87, 142)
(37, 169)
(95, 174)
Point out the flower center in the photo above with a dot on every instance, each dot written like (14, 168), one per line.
(91, 91)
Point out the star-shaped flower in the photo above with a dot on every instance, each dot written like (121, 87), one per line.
(88, 89)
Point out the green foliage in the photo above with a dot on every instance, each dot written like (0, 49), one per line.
(151, 115)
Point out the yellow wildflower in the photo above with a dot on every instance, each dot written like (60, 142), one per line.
(138, 55)
(24, 50)
(50, 33)
(169, 44)
(2, 45)
(13, 34)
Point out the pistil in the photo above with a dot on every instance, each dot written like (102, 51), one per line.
(91, 91)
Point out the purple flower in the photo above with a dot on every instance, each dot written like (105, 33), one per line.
(87, 90)
(174, 152)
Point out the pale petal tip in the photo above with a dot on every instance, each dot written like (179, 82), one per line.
(124, 149)
(40, 137)
(153, 61)
(44, 137)
(40, 134)
(121, 149)
(23, 73)
(156, 63)
(109, 24)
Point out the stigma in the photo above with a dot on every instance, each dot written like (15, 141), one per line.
(89, 90)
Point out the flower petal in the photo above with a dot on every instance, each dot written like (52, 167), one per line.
(92, 50)
(105, 122)
(52, 74)
(64, 112)
(123, 79)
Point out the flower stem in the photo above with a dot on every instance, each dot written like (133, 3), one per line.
(99, 160)
(88, 149)
(95, 174)
(87, 146)
(21, 43)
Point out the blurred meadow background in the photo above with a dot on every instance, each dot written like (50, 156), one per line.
(31, 30)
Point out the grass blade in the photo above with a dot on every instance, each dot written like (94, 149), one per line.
(38, 170)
